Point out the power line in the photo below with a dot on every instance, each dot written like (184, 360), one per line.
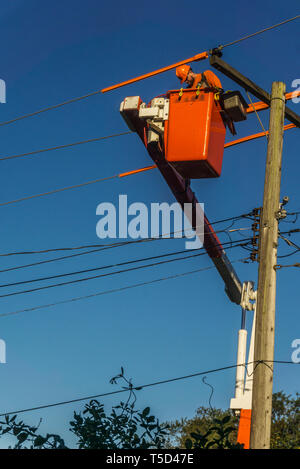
(49, 108)
(258, 118)
(93, 93)
(46, 251)
(289, 242)
(278, 266)
(76, 186)
(288, 255)
(259, 32)
(108, 274)
(119, 264)
(55, 191)
(59, 147)
(55, 259)
(139, 388)
(106, 292)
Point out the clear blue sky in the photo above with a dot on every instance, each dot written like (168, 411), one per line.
(54, 51)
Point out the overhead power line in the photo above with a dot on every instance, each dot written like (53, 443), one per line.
(94, 93)
(60, 147)
(117, 244)
(278, 266)
(143, 240)
(119, 264)
(76, 186)
(55, 191)
(260, 31)
(114, 273)
(107, 292)
(143, 386)
(50, 108)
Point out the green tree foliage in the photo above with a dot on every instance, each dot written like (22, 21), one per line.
(214, 428)
(285, 432)
(128, 428)
(204, 430)
(124, 428)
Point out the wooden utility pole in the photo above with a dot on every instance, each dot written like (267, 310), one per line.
(266, 292)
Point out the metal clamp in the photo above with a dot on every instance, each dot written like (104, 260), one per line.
(249, 295)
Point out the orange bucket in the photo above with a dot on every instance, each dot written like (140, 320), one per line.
(195, 134)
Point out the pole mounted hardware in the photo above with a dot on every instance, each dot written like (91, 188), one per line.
(248, 298)
(282, 213)
(250, 86)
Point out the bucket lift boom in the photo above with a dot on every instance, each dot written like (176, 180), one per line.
(183, 193)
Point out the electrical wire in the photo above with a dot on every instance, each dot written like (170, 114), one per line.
(107, 274)
(46, 251)
(119, 264)
(258, 118)
(93, 93)
(49, 108)
(33, 264)
(288, 255)
(76, 186)
(289, 242)
(55, 191)
(60, 147)
(106, 292)
(143, 386)
(259, 32)
(278, 266)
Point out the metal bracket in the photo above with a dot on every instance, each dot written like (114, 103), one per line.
(282, 213)
(249, 295)
(249, 85)
(156, 128)
(156, 114)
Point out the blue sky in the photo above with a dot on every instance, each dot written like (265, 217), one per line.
(54, 51)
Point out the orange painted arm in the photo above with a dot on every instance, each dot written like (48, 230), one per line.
(229, 144)
(202, 56)
(135, 171)
(260, 106)
(254, 136)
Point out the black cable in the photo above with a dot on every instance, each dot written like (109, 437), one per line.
(105, 275)
(60, 147)
(96, 250)
(115, 290)
(139, 388)
(259, 32)
(288, 255)
(289, 242)
(93, 93)
(49, 108)
(56, 191)
(119, 264)
(46, 251)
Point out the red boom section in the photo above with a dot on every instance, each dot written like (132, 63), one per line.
(183, 193)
